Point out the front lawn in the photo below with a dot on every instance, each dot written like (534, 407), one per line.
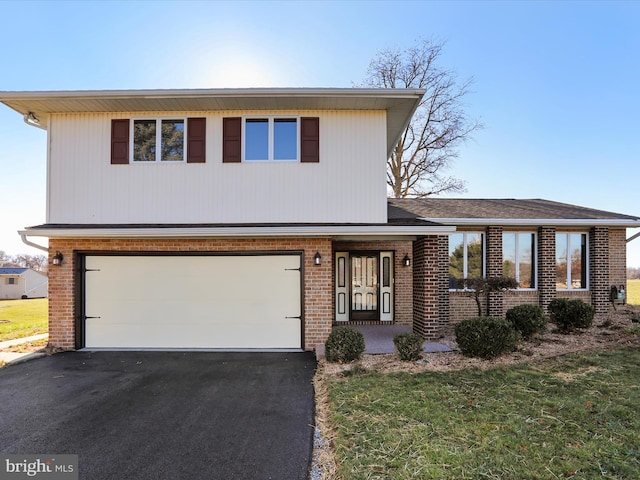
(576, 416)
(23, 318)
(633, 292)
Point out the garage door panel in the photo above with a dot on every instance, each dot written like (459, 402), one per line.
(193, 302)
(242, 335)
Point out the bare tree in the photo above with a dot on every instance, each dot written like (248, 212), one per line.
(35, 262)
(479, 286)
(419, 163)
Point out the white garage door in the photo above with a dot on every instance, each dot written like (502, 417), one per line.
(226, 302)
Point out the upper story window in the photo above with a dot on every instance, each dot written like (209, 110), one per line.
(518, 258)
(466, 257)
(158, 140)
(155, 140)
(271, 139)
(571, 261)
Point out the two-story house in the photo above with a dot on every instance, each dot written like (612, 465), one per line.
(258, 218)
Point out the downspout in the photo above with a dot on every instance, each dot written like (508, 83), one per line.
(633, 237)
(23, 236)
(32, 120)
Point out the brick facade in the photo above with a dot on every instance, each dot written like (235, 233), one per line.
(599, 269)
(430, 280)
(618, 256)
(318, 307)
(546, 266)
(421, 291)
(607, 267)
(494, 268)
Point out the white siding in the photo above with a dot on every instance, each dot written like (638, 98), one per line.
(348, 185)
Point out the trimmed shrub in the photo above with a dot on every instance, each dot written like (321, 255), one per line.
(345, 344)
(571, 314)
(409, 346)
(485, 337)
(527, 319)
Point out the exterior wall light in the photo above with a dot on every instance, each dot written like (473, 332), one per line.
(57, 259)
(317, 259)
(406, 261)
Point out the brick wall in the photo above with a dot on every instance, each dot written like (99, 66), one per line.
(403, 276)
(607, 266)
(618, 256)
(463, 305)
(443, 281)
(494, 268)
(523, 297)
(599, 269)
(318, 280)
(430, 280)
(546, 266)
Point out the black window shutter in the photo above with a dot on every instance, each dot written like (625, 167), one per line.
(120, 141)
(310, 139)
(196, 140)
(232, 140)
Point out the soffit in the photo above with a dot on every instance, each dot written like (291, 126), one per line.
(400, 104)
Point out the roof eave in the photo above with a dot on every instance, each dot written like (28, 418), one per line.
(400, 104)
(565, 222)
(235, 232)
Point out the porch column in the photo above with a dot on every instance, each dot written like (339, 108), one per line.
(599, 283)
(427, 295)
(494, 269)
(546, 265)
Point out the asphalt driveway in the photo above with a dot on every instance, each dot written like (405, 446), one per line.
(164, 415)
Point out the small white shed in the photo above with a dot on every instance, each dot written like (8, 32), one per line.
(22, 282)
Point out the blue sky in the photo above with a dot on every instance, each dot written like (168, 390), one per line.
(556, 83)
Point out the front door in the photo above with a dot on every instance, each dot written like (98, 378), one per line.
(364, 286)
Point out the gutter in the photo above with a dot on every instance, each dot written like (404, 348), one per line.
(229, 232)
(23, 236)
(572, 222)
(630, 239)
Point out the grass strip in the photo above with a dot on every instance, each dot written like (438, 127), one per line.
(23, 318)
(572, 417)
(633, 292)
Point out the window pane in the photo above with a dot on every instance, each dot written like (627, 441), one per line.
(256, 145)
(386, 272)
(341, 272)
(172, 140)
(285, 139)
(509, 255)
(578, 243)
(144, 140)
(474, 255)
(526, 248)
(561, 261)
(456, 260)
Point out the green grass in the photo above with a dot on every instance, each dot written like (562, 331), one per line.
(576, 417)
(633, 292)
(26, 317)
